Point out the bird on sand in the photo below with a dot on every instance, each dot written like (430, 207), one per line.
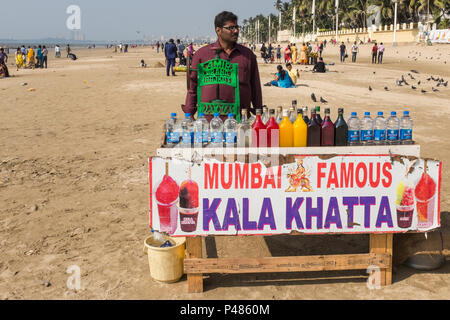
(386, 88)
(313, 97)
(413, 87)
(423, 91)
(370, 88)
(434, 90)
(323, 100)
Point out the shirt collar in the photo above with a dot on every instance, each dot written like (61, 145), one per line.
(218, 46)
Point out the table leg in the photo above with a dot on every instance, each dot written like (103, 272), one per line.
(382, 243)
(194, 250)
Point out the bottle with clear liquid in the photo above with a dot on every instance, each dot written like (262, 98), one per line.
(305, 115)
(327, 134)
(201, 131)
(406, 128)
(340, 129)
(187, 131)
(367, 126)
(216, 131)
(265, 115)
(393, 129)
(279, 116)
(354, 127)
(379, 132)
(172, 133)
(230, 129)
(244, 131)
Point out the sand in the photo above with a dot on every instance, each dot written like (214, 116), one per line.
(74, 180)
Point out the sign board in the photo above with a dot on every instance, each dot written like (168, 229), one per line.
(345, 194)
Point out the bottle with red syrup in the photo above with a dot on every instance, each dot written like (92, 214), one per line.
(327, 135)
(259, 133)
(314, 131)
(272, 130)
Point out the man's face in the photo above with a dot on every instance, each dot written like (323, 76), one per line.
(229, 32)
(289, 67)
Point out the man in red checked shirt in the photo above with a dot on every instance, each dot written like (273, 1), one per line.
(249, 82)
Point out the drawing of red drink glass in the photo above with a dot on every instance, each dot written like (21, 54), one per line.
(189, 205)
(425, 193)
(167, 200)
(405, 204)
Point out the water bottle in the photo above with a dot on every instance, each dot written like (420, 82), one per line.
(172, 133)
(406, 127)
(230, 129)
(353, 129)
(201, 129)
(380, 129)
(367, 129)
(393, 129)
(216, 130)
(187, 132)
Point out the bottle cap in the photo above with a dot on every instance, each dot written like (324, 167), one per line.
(327, 110)
(272, 111)
(230, 115)
(367, 113)
(285, 113)
(244, 111)
(264, 107)
(341, 110)
(280, 108)
(188, 115)
(299, 111)
(173, 115)
(318, 109)
(380, 113)
(294, 102)
(258, 111)
(393, 113)
(216, 114)
(201, 114)
(354, 114)
(406, 113)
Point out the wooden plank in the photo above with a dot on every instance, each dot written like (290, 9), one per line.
(194, 250)
(390, 251)
(382, 244)
(285, 264)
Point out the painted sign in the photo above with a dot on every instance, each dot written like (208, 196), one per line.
(312, 195)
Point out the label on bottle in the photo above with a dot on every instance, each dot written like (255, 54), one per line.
(406, 134)
(187, 137)
(353, 135)
(366, 135)
(230, 137)
(392, 135)
(216, 137)
(201, 137)
(173, 137)
(380, 135)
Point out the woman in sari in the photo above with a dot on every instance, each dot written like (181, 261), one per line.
(19, 59)
(287, 54)
(282, 79)
(303, 57)
(31, 62)
(3, 60)
(294, 53)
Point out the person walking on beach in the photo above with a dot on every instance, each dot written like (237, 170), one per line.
(157, 46)
(30, 58)
(279, 54)
(287, 54)
(3, 61)
(380, 53)
(57, 51)
(355, 51)
(170, 51)
(321, 48)
(68, 50)
(343, 51)
(374, 53)
(19, 59)
(250, 92)
(264, 53)
(180, 48)
(44, 57)
(39, 57)
(294, 53)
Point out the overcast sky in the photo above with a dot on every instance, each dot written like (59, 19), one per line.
(120, 20)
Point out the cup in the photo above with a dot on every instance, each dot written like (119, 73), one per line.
(405, 216)
(425, 212)
(168, 216)
(188, 219)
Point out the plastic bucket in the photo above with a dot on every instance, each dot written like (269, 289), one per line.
(166, 264)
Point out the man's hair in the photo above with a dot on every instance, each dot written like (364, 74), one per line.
(223, 17)
(288, 64)
(320, 59)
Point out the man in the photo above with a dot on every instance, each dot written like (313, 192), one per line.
(68, 50)
(279, 54)
(170, 51)
(320, 66)
(180, 48)
(250, 93)
(39, 57)
(263, 53)
(44, 57)
(3, 61)
(157, 47)
(355, 50)
(374, 53)
(57, 51)
(293, 73)
(380, 53)
(343, 51)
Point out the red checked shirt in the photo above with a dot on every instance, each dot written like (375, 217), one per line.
(249, 81)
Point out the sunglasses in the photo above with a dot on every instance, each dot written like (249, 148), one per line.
(232, 28)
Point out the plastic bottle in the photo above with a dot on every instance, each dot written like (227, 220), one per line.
(216, 131)
(354, 128)
(273, 131)
(305, 115)
(244, 131)
(314, 131)
(379, 133)
(300, 130)
(327, 130)
(367, 126)
(230, 130)
(172, 133)
(201, 131)
(286, 131)
(187, 129)
(406, 129)
(318, 117)
(340, 129)
(279, 115)
(259, 132)
(265, 115)
(393, 129)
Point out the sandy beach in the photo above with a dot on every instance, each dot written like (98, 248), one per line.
(74, 175)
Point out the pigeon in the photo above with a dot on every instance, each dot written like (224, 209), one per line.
(413, 87)
(442, 79)
(323, 100)
(434, 90)
(399, 83)
(386, 88)
(313, 97)
(446, 83)
(438, 84)
(415, 71)
(374, 72)
(428, 79)
(423, 91)
(370, 88)
(412, 78)
(418, 83)
(404, 81)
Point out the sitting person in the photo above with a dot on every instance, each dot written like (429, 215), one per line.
(143, 64)
(282, 79)
(293, 73)
(320, 66)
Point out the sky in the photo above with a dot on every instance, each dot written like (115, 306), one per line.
(115, 20)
